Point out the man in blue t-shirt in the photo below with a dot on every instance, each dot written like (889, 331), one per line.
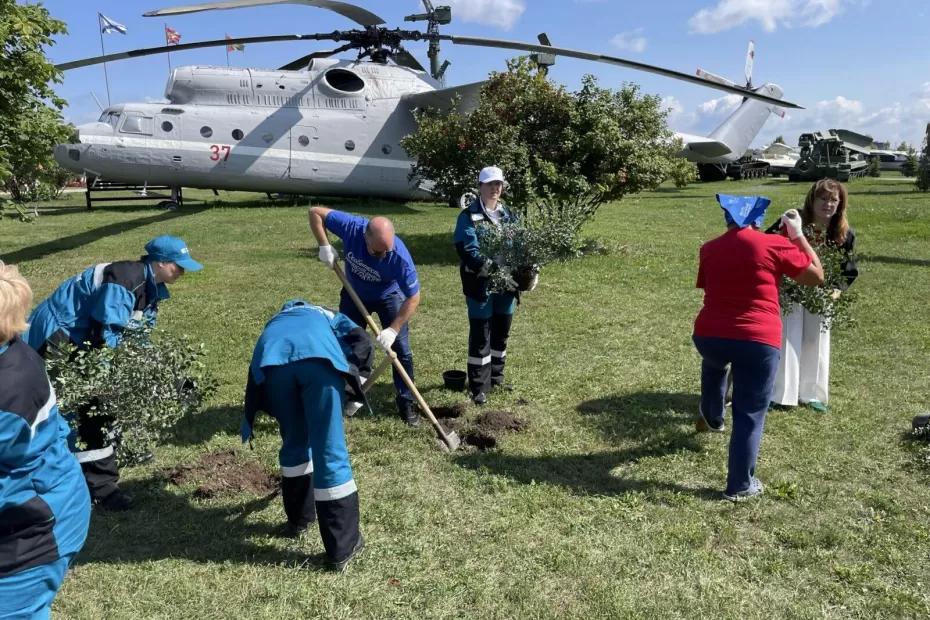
(380, 269)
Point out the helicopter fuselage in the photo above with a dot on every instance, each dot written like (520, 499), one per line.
(333, 129)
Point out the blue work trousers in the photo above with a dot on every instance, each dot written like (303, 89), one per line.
(753, 367)
(387, 310)
(29, 594)
(305, 397)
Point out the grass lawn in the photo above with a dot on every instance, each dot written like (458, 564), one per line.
(606, 506)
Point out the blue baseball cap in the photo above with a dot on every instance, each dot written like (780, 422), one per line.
(168, 249)
(743, 210)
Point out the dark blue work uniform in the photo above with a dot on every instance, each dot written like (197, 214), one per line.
(44, 504)
(382, 284)
(489, 314)
(298, 374)
(94, 307)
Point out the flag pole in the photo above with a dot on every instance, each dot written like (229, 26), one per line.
(106, 77)
(169, 53)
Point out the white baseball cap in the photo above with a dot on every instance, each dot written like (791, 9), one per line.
(491, 173)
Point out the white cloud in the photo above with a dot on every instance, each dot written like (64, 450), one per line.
(895, 121)
(720, 105)
(769, 13)
(630, 41)
(500, 13)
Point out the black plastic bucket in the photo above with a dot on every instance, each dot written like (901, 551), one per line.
(454, 380)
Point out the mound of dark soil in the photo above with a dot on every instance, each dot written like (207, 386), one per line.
(499, 421)
(222, 474)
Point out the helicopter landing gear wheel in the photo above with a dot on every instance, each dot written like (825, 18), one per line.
(170, 205)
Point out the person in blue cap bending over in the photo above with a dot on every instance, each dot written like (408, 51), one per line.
(92, 309)
(44, 504)
(381, 271)
(740, 325)
(304, 360)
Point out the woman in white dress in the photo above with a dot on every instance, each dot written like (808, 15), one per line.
(804, 369)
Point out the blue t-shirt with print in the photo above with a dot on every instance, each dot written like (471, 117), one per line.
(372, 278)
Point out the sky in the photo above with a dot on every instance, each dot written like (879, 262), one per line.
(862, 65)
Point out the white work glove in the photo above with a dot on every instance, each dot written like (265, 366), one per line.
(791, 222)
(386, 338)
(328, 255)
(534, 282)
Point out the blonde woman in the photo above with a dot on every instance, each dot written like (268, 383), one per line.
(44, 502)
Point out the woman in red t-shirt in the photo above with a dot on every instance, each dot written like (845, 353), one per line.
(740, 325)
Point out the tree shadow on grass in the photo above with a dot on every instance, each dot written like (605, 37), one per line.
(895, 260)
(650, 424)
(71, 242)
(167, 525)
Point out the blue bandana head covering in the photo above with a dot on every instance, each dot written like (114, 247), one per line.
(743, 211)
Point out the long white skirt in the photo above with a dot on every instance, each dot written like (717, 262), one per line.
(804, 368)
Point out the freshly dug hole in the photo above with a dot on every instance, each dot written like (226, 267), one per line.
(222, 474)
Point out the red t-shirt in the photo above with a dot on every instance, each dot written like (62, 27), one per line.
(739, 272)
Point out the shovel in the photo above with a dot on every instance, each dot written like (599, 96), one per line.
(450, 440)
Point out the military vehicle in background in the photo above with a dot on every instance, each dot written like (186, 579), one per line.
(835, 154)
(779, 156)
(747, 167)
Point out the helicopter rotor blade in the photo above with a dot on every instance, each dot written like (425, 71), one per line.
(405, 59)
(350, 11)
(613, 60)
(164, 49)
(713, 77)
(303, 61)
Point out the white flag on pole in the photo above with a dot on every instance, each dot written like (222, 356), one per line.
(107, 25)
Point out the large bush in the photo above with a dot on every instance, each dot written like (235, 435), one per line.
(29, 108)
(564, 153)
(143, 387)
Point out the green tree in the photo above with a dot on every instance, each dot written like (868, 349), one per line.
(923, 170)
(874, 168)
(29, 109)
(910, 165)
(904, 147)
(564, 153)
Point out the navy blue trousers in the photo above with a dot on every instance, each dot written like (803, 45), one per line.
(387, 310)
(753, 366)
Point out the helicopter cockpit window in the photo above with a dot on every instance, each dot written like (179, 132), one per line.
(111, 118)
(136, 123)
(344, 81)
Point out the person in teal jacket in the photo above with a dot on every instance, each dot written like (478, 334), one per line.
(93, 309)
(304, 360)
(44, 503)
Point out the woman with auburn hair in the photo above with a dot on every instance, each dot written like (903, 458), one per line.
(804, 370)
(44, 502)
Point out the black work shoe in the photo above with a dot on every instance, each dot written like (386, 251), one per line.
(409, 414)
(339, 566)
(292, 530)
(117, 501)
(480, 398)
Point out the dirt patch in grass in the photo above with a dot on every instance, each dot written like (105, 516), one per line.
(221, 474)
(499, 421)
(480, 439)
(453, 411)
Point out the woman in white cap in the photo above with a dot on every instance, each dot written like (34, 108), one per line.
(490, 314)
(92, 309)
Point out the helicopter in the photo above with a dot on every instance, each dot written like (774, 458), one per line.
(318, 125)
